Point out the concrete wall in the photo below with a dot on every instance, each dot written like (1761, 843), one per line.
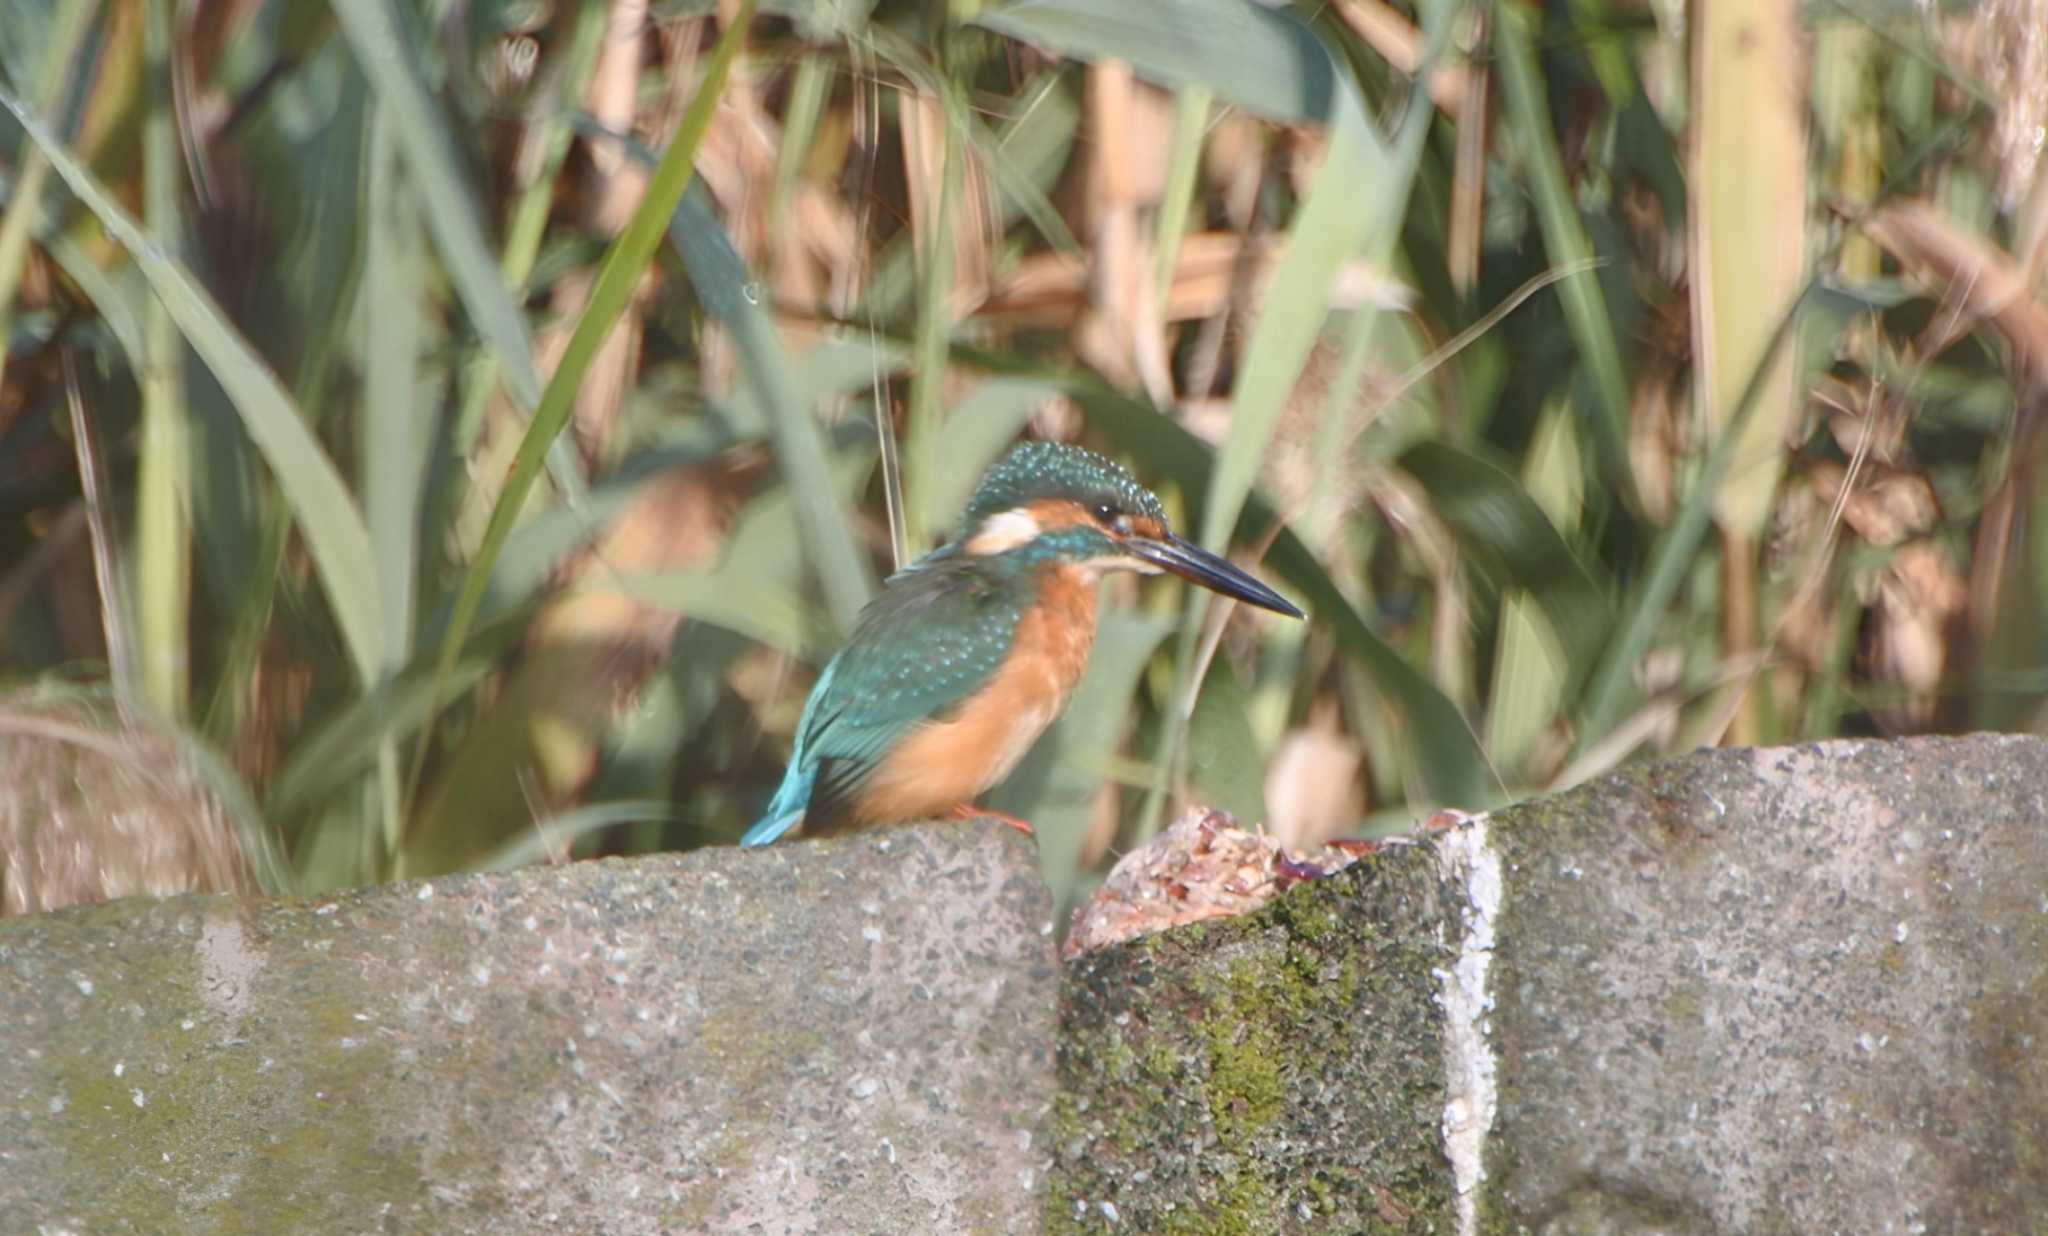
(1794, 991)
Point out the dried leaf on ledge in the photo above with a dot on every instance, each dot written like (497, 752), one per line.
(1204, 866)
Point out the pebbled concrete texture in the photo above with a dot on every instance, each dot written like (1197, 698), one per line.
(1800, 990)
(1778, 991)
(848, 1036)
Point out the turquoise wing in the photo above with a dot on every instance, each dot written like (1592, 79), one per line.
(931, 639)
(929, 642)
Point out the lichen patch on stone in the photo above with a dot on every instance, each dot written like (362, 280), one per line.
(1203, 866)
(1472, 868)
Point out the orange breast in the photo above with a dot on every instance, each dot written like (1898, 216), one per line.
(950, 762)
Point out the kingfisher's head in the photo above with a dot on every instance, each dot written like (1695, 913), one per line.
(1053, 503)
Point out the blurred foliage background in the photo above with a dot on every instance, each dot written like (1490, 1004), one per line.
(408, 465)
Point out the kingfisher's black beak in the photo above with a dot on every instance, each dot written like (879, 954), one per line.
(1199, 565)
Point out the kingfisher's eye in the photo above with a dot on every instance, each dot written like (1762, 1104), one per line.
(1104, 512)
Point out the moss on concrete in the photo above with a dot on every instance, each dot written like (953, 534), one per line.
(1277, 1073)
(725, 1042)
(1760, 991)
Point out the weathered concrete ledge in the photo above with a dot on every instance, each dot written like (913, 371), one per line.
(1757, 991)
(1781, 991)
(1281, 1071)
(1788, 991)
(853, 1036)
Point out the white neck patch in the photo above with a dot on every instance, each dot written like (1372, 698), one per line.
(1003, 531)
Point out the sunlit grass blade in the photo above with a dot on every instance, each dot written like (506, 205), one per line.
(1531, 663)
(623, 263)
(733, 596)
(536, 198)
(71, 20)
(117, 295)
(248, 610)
(766, 539)
(669, 713)
(327, 849)
(526, 226)
(162, 566)
(1453, 769)
(730, 295)
(1527, 690)
(328, 519)
(529, 557)
(1610, 690)
(1564, 236)
(935, 311)
(1358, 193)
(253, 833)
(387, 59)
(1747, 209)
(1259, 58)
(1224, 765)
(1024, 160)
(1177, 199)
(398, 422)
(1490, 512)
(398, 407)
(340, 747)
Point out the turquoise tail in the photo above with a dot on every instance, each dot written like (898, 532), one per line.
(785, 810)
(793, 796)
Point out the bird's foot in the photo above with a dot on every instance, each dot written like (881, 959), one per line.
(968, 811)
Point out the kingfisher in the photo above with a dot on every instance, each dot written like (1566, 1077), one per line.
(965, 657)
